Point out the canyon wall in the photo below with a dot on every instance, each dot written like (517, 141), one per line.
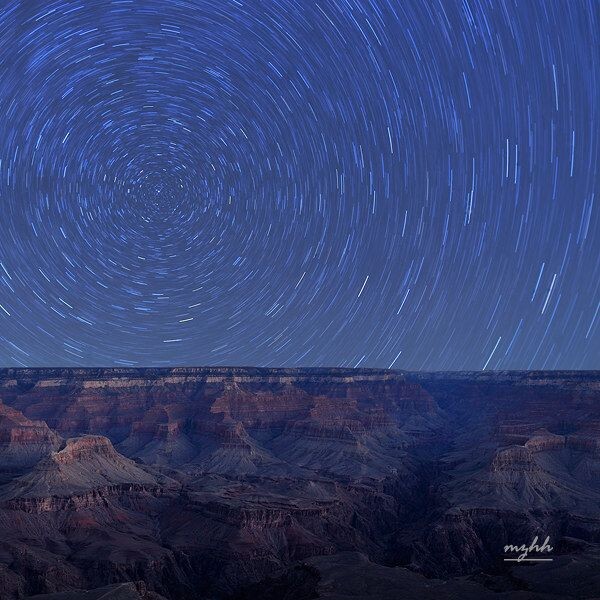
(218, 482)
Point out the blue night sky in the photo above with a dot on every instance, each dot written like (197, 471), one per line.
(340, 182)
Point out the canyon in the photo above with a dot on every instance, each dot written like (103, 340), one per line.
(236, 483)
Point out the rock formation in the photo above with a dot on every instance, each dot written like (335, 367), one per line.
(240, 483)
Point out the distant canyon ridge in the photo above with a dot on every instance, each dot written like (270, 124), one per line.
(243, 483)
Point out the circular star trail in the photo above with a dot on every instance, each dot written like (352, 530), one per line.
(353, 183)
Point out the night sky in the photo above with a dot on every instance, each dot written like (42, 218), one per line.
(340, 183)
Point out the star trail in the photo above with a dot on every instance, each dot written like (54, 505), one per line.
(356, 183)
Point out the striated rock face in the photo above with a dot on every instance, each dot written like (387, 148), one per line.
(85, 448)
(513, 459)
(85, 463)
(22, 442)
(244, 483)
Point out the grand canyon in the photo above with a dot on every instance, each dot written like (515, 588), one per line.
(240, 483)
